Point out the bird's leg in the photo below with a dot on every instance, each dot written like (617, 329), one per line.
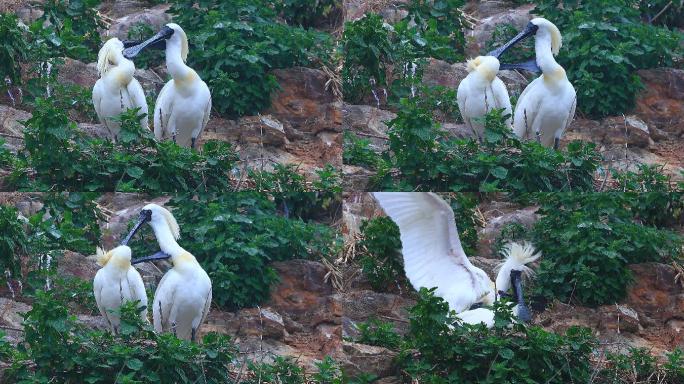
(527, 128)
(192, 142)
(173, 327)
(193, 335)
(556, 143)
(538, 135)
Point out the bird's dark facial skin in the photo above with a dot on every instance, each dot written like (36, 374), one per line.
(145, 216)
(530, 30)
(157, 256)
(516, 282)
(157, 41)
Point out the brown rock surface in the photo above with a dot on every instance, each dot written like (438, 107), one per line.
(661, 103)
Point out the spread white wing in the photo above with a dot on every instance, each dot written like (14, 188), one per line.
(433, 255)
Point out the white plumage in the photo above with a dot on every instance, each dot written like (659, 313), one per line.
(117, 282)
(481, 91)
(434, 257)
(184, 104)
(182, 299)
(116, 90)
(547, 105)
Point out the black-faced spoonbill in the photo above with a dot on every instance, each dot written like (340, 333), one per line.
(116, 283)
(480, 92)
(116, 90)
(433, 257)
(184, 104)
(547, 105)
(183, 297)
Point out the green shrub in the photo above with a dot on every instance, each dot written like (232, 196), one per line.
(439, 28)
(380, 250)
(380, 333)
(70, 27)
(508, 353)
(427, 158)
(357, 151)
(604, 44)
(391, 57)
(12, 49)
(13, 243)
(234, 45)
(306, 13)
(136, 163)
(235, 237)
(588, 240)
(284, 370)
(367, 50)
(57, 349)
(70, 221)
(639, 366)
(290, 190)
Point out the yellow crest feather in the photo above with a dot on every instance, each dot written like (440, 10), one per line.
(473, 63)
(173, 224)
(103, 257)
(106, 54)
(184, 45)
(556, 39)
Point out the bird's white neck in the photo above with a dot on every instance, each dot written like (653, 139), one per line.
(174, 60)
(165, 239)
(544, 55)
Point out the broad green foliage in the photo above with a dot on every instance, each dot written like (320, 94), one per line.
(357, 151)
(70, 28)
(380, 249)
(604, 43)
(70, 221)
(508, 353)
(137, 163)
(234, 45)
(13, 242)
(384, 58)
(429, 159)
(439, 28)
(235, 236)
(13, 49)
(588, 240)
(286, 371)
(57, 349)
(306, 13)
(367, 51)
(639, 366)
(290, 190)
(380, 333)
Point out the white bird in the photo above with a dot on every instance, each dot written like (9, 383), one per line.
(116, 283)
(184, 104)
(434, 257)
(182, 299)
(547, 105)
(480, 92)
(116, 90)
